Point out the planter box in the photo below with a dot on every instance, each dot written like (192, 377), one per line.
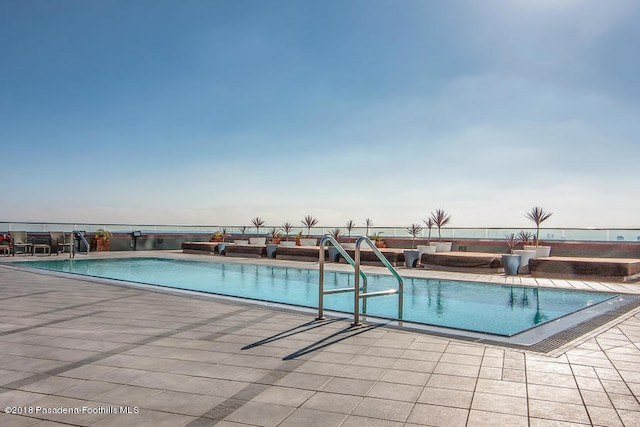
(582, 268)
(246, 251)
(100, 245)
(441, 246)
(541, 251)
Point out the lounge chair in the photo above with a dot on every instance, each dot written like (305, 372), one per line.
(59, 242)
(21, 241)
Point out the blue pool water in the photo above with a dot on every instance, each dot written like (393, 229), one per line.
(478, 307)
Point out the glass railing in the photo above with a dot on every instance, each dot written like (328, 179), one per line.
(549, 234)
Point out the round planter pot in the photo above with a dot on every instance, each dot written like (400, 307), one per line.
(271, 249)
(288, 243)
(511, 263)
(525, 256)
(541, 251)
(411, 258)
(308, 242)
(261, 241)
(441, 246)
(221, 248)
(241, 242)
(334, 255)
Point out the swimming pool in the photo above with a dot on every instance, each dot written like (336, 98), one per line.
(470, 306)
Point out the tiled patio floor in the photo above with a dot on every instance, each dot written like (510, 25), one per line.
(179, 360)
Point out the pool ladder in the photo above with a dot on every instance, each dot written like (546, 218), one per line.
(79, 235)
(360, 293)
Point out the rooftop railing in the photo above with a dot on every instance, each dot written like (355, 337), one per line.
(549, 234)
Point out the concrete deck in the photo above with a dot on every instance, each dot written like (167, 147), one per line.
(175, 359)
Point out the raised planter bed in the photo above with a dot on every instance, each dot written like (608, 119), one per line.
(604, 269)
(367, 257)
(207, 248)
(300, 253)
(480, 262)
(246, 251)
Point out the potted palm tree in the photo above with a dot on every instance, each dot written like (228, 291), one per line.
(257, 223)
(242, 240)
(441, 218)
(368, 223)
(349, 226)
(287, 228)
(274, 242)
(309, 222)
(524, 237)
(411, 256)
(511, 261)
(428, 248)
(334, 255)
(222, 245)
(538, 215)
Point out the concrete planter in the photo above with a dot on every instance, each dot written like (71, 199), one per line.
(411, 258)
(541, 251)
(258, 241)
(525, 256)
(271, 249)
(288, 243)
(241, 242)
(221, 247)
(334, 255)
(511, 263)
(441, 246)
(308, 242)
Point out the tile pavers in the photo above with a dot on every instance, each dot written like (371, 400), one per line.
(187, 360)
(425, 414)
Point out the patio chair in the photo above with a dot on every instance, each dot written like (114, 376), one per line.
(58, 242)
(20, 241)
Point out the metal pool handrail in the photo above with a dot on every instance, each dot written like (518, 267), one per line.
(321, 292)
(79, 234)
(357, 296)
(365, 294)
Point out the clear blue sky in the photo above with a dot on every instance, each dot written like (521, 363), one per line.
(214, 112)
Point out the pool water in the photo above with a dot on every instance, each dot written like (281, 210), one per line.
(478, 307)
